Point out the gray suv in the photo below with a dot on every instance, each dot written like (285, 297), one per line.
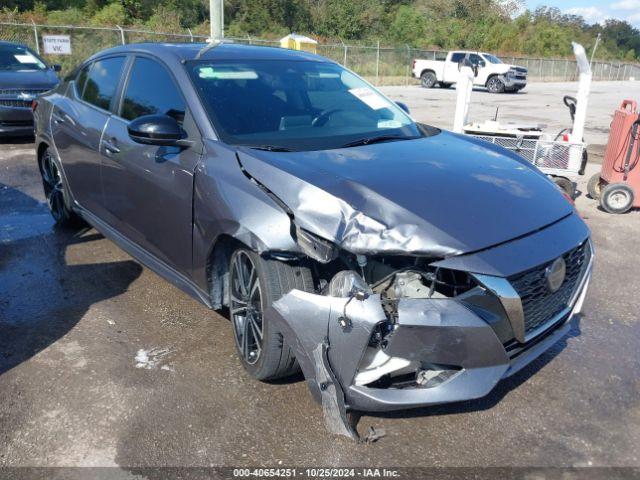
(395, 264)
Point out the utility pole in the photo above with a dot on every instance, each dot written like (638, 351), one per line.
(593, 52)
(216, 18)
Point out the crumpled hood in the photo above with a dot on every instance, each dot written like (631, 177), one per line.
(438, 196)
(28, 79)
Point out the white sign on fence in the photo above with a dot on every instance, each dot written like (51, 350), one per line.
(57, 44)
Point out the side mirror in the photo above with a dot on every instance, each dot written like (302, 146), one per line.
(403, 106)
(56, 67)
(158, 130)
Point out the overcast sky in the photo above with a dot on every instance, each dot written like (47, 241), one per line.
(596, 11)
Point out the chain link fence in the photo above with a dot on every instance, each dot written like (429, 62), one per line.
(380, 65)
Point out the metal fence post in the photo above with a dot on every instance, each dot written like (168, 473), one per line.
(190, 34)
(121, 34)
(344, 60)
(378, 64)
(249, 39)
(624, 74)
(35, 34)
(408, 62)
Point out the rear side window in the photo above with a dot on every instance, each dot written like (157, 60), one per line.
(151, 91)
(102, 81)
(457, 57)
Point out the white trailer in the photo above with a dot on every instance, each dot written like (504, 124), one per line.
(562, 156)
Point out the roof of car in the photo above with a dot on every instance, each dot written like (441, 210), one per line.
(224, 51)
(4, 42)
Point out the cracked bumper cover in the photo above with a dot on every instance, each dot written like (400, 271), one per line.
(430, 331)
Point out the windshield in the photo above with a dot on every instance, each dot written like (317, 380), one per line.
(295, 105)
(491, 58)
(17, 58)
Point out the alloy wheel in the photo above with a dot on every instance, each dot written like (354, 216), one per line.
(53, 187)
(246, 307)
(494, 85)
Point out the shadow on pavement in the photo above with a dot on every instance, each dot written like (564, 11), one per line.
(42, 296)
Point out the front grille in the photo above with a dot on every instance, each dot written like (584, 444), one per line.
(15, 103)
(11, 97)
(18, 91)
(540, 304)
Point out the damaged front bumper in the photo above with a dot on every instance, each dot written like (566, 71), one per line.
(445, 341)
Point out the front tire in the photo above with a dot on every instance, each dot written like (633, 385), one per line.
(617, 198)
(254, 284)
(495, 85)
(55, 192)
(428, 79)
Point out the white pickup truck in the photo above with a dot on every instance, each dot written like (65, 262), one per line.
(489, 71)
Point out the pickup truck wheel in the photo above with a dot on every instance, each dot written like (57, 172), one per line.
(254, 284)
(495, 85)
(428, 79)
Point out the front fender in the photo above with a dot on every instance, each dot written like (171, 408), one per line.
(228, 203)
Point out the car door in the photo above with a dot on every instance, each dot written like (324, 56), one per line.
(451, 67)
(481, 68)
(77, 123)
(148, 189)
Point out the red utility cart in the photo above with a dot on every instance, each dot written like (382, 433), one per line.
(617, 186)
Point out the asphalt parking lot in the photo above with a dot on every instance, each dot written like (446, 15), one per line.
(103, 363)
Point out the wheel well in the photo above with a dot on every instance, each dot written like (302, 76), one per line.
(218, 269)
(40, 151)
(490, 77)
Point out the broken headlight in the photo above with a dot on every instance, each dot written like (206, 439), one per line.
(315, 247)
(346, 283)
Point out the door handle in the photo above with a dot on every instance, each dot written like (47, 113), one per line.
(110, 147)
(57, 119)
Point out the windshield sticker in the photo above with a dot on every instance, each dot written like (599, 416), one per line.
(369, 97)
(211, 73)
(389, 124)
(27, 58)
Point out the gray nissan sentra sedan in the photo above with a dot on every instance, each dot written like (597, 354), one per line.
(396, 264)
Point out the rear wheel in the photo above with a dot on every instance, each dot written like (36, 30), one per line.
(594, 187)
(617, 198)
(495, 85)
(428, 79)
(254, 284)
(54, 191)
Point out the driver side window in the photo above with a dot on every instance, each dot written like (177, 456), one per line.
(151, 91)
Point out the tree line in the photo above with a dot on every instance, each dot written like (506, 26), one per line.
(500, 26)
